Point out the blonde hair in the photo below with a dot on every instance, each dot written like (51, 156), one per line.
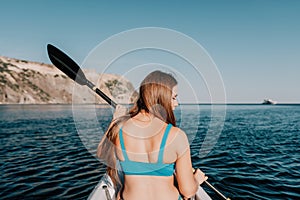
(155, 94)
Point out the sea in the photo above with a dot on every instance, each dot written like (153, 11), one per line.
(247, 151)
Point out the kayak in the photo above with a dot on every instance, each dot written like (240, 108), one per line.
(104, 190)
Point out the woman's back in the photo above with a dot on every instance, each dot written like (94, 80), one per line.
(149, 145)
(143, 140)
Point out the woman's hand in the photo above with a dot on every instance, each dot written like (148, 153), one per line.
(119, 111)
(200, 176)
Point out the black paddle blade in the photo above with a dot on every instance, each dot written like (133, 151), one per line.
(63, 62)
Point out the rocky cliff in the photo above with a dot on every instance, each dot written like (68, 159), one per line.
(26, 82)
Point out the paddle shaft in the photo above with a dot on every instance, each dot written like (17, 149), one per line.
(214, 189)
(101, 94)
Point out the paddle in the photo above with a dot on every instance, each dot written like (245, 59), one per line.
(214, 189)
(63, 62)
(72, 70)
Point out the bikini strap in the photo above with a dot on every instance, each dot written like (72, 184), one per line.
(163, 143)
(122, 144)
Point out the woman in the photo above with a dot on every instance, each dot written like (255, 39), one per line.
(149, 147)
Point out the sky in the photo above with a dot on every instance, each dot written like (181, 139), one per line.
(254, 45)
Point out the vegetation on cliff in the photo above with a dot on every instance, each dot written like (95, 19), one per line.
(26, 82)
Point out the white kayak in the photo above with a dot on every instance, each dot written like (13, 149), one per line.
(104, 190)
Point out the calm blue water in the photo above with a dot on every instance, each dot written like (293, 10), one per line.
(42, 156)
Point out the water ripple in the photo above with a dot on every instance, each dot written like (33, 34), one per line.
(256, 157)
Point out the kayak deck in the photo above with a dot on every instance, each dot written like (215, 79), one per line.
(104, 190)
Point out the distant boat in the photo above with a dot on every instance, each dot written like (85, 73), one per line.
(269, 101)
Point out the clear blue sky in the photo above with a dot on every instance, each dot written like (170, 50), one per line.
(255, 44)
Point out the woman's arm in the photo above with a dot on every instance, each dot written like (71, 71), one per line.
(188, 181)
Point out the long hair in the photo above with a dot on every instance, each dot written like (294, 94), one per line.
(155, 94)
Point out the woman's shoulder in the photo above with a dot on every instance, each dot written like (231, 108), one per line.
(178, 132)
(179, 136)
(179, 140)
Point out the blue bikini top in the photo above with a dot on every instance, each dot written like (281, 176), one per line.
(147, 169)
